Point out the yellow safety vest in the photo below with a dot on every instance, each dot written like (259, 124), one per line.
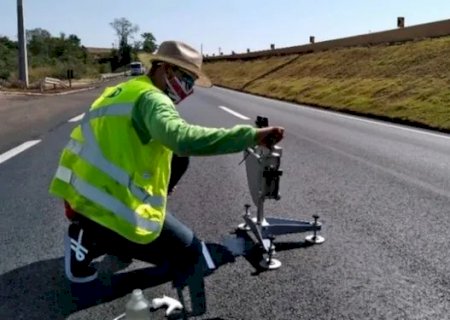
(108, 175)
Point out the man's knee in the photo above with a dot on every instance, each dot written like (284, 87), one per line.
(197, 259)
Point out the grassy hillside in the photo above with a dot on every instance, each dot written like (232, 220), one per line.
(408, 82)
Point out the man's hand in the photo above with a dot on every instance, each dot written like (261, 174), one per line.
(269, 136)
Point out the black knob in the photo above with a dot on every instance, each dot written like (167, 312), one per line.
(316, 217)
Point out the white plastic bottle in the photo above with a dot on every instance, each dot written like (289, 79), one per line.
(138, 307)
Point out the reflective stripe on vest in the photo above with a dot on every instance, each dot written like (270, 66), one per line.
(98, 196)
(91, 155)
(90, 151)
(120, 109)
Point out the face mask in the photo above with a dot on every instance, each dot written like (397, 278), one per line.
(179, 88)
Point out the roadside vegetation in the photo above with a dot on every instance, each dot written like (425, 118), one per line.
(51, 56)
(48, 56)
(407, 82)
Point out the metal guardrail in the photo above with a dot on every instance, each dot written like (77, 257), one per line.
(107, 76)
(62, 84)
(52, 81)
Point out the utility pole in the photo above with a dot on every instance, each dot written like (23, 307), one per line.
(23, 61)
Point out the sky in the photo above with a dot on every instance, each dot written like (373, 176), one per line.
(225, 25)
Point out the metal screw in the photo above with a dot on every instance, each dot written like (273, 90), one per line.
(316, 217)
(247, 209)
(271, 238)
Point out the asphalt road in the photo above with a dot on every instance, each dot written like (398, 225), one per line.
(382, 192)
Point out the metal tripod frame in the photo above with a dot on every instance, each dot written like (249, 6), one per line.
(263, 176)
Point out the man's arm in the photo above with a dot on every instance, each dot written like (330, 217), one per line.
(164, 124)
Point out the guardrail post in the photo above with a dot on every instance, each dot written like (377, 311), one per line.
(70, 76)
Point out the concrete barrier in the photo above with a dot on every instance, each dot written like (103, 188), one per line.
(422, 31)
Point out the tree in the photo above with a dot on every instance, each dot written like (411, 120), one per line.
(149, 44)
(48, 56)
(38, 41)
(124, 30)
(73, 39)
(37, 34)
(7, 43)
(8, 57)
(137, 46)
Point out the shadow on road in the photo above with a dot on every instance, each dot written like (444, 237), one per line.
(40, 290)
(253, 253)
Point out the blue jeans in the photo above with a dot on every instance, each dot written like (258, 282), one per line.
(176, 244)
(177, 247)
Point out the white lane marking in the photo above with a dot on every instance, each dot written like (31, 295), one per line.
(389, 125)
(77, 118)
(234, 113)
(15, 151)
(273, 100)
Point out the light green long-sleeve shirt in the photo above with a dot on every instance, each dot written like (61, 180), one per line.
(155, 117)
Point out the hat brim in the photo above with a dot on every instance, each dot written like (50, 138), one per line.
(202, 81)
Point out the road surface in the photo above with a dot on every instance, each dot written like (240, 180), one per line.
(382, 192)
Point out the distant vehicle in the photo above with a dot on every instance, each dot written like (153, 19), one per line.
(136, 68)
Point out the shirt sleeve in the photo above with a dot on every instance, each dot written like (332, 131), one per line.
(165, 125)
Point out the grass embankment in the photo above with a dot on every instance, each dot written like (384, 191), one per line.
(408, 82)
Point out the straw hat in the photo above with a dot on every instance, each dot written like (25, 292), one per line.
(183, 56)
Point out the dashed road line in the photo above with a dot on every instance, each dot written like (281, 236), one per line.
(15, 151)
(234, 113)
(77, 118)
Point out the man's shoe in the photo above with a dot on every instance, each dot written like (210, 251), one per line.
(78, 254)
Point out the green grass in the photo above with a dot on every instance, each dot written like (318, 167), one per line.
(408, 82)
